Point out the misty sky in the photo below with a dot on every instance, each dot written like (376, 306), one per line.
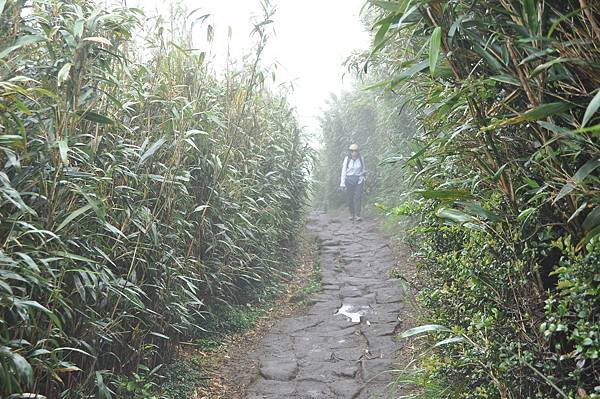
(312, 40)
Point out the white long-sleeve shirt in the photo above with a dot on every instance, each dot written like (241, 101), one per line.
(351, 167)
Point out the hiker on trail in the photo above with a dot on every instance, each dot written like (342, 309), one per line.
(352, 181)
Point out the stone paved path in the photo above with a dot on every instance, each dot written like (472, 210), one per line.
(327, 355)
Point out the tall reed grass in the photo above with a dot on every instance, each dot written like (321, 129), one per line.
(139, 193)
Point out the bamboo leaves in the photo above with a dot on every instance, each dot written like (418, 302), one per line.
(592, 220)
(10, 139)
(591, 109)
(454, 215)
(63, 149)
(97, 39)
(22, 41)
(103, 391)
(97, 118)
(434, 48)
(150, 151)
(556, 61)
(444, 195)
(13, 196)
(19, 365)
(531, 15)
(73, 215)
(586, 170)
(408, 73)
(578, 178)
(540, 112)
(104, 192)
(63, 73)
(428, 328)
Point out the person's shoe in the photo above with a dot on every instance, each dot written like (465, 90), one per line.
(351, 218)
(358, 219)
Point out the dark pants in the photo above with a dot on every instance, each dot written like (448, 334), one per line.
(354, 191)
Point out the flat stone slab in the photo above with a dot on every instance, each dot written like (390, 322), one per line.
(343, 345)
(279, 370)
(350, 292)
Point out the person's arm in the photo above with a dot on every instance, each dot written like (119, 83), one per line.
(343, 177)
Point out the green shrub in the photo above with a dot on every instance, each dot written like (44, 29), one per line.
(503, 165)
(572, 327)
(182, 376)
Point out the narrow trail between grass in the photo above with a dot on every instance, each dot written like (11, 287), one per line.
(343, 345)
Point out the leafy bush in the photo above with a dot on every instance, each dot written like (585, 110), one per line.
(139, 192)
(504, 171)
(571, 325)
(182, 378)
